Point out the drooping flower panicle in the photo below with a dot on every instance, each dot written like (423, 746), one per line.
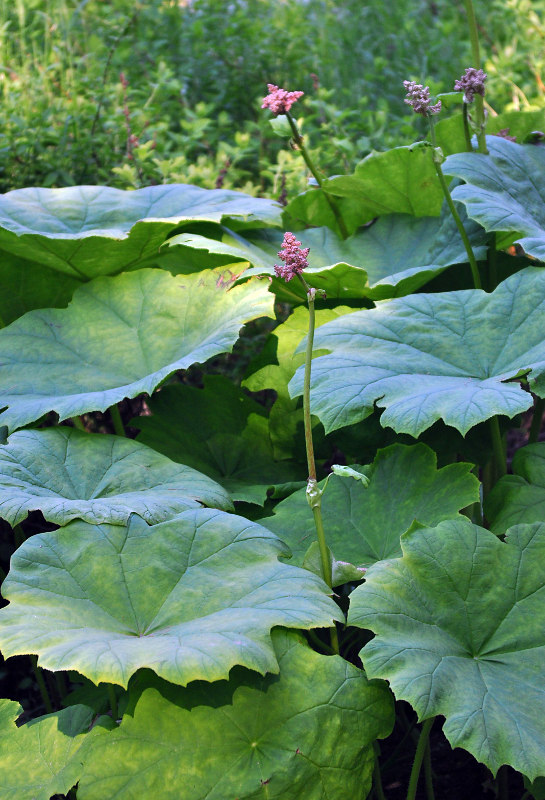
(279, 100)
(294, 257)
(471, 83)
(418, 97)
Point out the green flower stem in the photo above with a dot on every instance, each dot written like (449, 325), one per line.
(497, 444)
(298, 139)
(113, 701)
(539, 410)
(18, 535)
(467, 133)
(62, 688)
(77, 423)
(38, 674)
(377, 778)
(428, 774)
(419, 757)
(492, 259)
(454, 212)
(479, 103)
(314, 494)
(116, 420)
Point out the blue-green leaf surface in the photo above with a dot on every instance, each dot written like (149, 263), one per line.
(189, 598)
(119, 337)
(43, 757)
(306, 733)
(86, 231)
(394, 256)
(505, 190)
(363, 525)
(67, 474)
(519, 497)
(220, 431)
(458, 624)
(450, 356)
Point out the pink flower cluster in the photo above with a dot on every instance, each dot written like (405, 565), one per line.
(418, 97)
(294, 257)
(471, 83)
(279, 100)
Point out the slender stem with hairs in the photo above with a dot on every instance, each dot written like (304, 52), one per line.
(467, 133)
(499, 451)
(113, 701)
(298, 139)
(38, 674)
(419, 757)
(116, 420)
(454, 212)
(535, 429)
(314, 493)
(479, 103)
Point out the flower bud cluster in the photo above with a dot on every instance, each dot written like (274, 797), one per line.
(471, 83)
(279, 100)
(293, 256)
(418, 97)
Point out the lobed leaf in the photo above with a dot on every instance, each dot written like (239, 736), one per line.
(393, 257)
(220, 431)
(44, 756)
(519, 497)
(450, 356)
(364, 525)
(86, 231)
(307, 732)
(189, 598)
(119, 337)
(458, 624)
(504, 190)
(67, 474)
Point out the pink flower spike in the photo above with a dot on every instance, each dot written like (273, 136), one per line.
(418, 97)
(279, 100)
(294, 257)
(471, 83)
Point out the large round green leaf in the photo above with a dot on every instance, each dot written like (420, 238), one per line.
(307, 733)
(67, 474)
(363, 525)
(238, 454)
(44, 756)
(189, 598)
(25, 286)
(87, 231)
(459, 626)
(504, 190)
(395, 256)
(119, 337)
(519, 497)
(433, 356)
(401, 180)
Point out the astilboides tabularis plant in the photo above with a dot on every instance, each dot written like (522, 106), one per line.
(228, 589)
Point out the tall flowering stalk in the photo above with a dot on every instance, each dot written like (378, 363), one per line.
(471, 84)
(479, 104)
(295, 261)
(280, 101)
(418, 97)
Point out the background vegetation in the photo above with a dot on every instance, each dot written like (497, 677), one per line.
(131, 93)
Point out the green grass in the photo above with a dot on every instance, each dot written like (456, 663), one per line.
(194, 74)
